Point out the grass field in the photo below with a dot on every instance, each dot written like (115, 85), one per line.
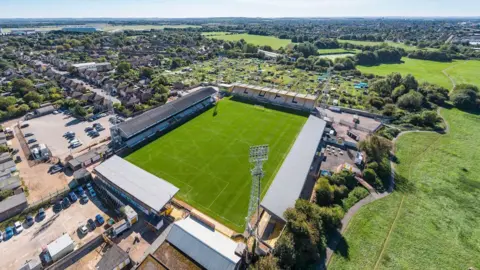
(334, 51)
(207, 158)
(274, 42)
(466, 72)
(376, 43)
(433, 220)
(423, 70)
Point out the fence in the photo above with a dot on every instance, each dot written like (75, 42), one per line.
(380, 117)
(52, 197)
(25, 147)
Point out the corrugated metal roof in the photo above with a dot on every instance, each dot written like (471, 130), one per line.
(291, 176)
(59, 244)
(207, 247)
(12, 202)
(159, 114)
(144, 186)
(10, 183)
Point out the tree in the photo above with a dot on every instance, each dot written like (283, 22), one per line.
(410, 82)
(123, 68)
(394, 79)
(464, 96)
(324, 192)
(377, 148)
(249, 48)
(7, 101)
(411, 101)
(382, 87)
(22, 85)
(33, 96)
(146, 72)
(268, 262)
(306, 49)
(398, 92)
(79, 111)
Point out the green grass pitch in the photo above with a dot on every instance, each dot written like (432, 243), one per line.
(207, 157)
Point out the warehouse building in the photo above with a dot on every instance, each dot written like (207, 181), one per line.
(161, 119)
(12, 206)
(141, 189)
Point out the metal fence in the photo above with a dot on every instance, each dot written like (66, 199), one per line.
(24, 146)
(51, 198)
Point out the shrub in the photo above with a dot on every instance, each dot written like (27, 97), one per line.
(340, 192)
(324, 192)
(411, 101)
(355, 196)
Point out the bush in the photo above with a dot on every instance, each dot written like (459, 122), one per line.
(464, 97)
(340, 192)
(355, 196)
(411, 101)
(324, 192)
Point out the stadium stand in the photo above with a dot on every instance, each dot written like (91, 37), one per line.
(275, 96)
(138, 129)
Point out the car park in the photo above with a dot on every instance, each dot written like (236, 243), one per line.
(55, 168)
(28, 134)
(57, 207)
(41, 214)
(32, 140)
(83, 229)
(72, 196)
(91, 224)
(99, 219)
(29, 220)
(8, 233)
(18, 227)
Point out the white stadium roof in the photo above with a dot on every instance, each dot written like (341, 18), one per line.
(290, 179)
(207, 247)
(144, 186)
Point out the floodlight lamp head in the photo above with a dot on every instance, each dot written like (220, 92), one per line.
(258, 153)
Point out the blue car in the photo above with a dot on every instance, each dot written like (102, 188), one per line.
(80, 191)
(41, 214)
(100, 219)
(92, 193)
(72, 196)
(8, 233)
(89, 185)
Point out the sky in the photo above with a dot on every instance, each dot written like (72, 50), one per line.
(235, 8)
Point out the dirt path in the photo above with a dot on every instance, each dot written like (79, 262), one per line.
(448, 76)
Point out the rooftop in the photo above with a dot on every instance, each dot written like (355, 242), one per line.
(290, 179)
(273, 90)
(12, 201)
(59, 244)
(207, 247)
(10, 183)
(112, 258)
(144, 186)
(150, 118)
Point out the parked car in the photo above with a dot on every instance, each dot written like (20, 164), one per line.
(29, 220)
(72, 196)
(66, 202)
(18, 159)
(28, 134)
(89, 185)
(24, 125)
(41, 214)
(18, 227)
(32, 140)
(1, 236)
(91, 223)
(55, 168)
(14, 151)
(99, 128)
(92, 193)
(55, 112)
(57, 207)
(80, 191)
(84, 198)
(8, 233)
(69, 134)
(83, 229)
(76, 144)
(99, 219)
(87, 129)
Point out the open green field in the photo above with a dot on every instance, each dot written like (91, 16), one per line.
(423, 70)
(207, 158)
(465, 72)
(389, 43)
(334, 51)
(274, 42)
(433, 220)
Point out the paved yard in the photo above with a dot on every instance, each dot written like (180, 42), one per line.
(37, 179)
(49, 130)
(334, 159)
(30, 242)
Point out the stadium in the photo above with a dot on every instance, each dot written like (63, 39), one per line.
(200, 144)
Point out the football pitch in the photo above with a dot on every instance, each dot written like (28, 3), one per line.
(207, 157)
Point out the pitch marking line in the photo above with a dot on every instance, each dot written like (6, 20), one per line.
(219, 194)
